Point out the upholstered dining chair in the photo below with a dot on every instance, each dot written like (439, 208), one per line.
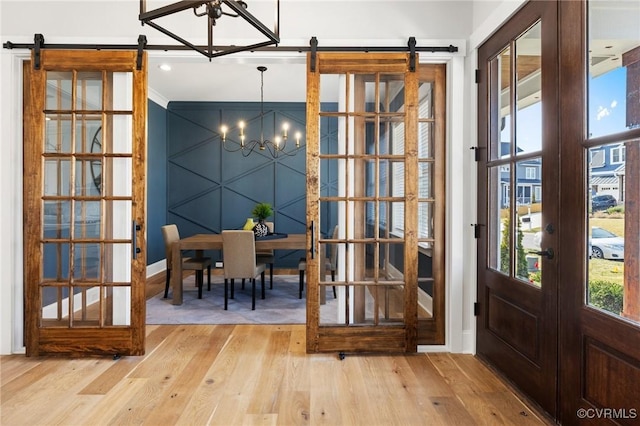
(267, 256)
(239, 261)
(330, 264)
(170, 235)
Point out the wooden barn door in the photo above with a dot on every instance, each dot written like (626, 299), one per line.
(84, 203)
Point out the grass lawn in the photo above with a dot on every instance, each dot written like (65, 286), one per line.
(606, 270)
(615, 225)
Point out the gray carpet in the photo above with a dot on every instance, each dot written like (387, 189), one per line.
(281, 305)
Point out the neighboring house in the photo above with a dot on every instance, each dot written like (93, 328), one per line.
(607, 171)
(528, 178)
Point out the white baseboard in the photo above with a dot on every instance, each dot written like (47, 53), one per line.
(156, 268)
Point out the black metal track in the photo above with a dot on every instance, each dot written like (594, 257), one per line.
(168, 47)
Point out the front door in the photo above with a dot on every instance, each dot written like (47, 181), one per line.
(374, 203)
(84, 180)
(517, 201)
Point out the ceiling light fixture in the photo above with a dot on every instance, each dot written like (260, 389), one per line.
(276, 148)
(213, 10)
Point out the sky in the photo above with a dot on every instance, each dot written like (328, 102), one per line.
(607, 111)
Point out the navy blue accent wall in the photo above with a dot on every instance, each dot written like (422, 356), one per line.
(210, 189)
(156, 181)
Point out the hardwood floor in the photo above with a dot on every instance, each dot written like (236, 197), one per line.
(254, 374)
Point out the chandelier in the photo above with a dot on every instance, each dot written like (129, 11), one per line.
(213, 10)
(276, 148)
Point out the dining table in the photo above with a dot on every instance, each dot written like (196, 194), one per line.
(200, 242)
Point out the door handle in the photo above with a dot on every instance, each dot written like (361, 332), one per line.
(548, 253)
(134, 228)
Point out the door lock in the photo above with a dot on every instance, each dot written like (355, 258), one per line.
(548, 253)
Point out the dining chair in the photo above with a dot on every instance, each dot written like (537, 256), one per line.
(267, 256)
(170, 235)
(239, 261)
(330, 264)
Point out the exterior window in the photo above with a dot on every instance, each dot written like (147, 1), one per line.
(613, 240)
(531, 172)
(617, 155)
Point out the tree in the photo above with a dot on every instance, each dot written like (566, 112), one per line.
(505, 254)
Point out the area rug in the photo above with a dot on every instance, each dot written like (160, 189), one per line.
(280, 306)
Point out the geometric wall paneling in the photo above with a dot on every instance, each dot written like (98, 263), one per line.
(199, 114)
(199, 159)
(236, 208)
(256, 185)
(210, 189)
(183, 185)
(184, 134)
(235, 165)
(292, 215)
(296, 184)
(203, 210)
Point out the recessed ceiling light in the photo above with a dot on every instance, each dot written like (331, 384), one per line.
(165, 67)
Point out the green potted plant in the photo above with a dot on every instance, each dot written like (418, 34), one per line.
(261, 211)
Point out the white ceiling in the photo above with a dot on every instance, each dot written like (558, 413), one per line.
(355, 23)
(234, 77)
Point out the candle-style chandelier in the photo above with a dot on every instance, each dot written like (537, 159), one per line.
(276, 148)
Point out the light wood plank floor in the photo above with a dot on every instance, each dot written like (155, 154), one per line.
(254, 374)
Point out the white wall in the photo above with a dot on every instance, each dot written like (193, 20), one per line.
(437, 21)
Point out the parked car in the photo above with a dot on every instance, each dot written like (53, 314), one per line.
(606, 245)
(603, 202)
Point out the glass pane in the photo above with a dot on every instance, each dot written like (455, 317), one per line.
(86, 265)
(425, 108)
(122, 91)
(329, 135)
(329, 177)
(59, 90)
(86, 306)
(425, 140)
(330, 90)
(122, 130)
(614, 71)
(57, 219)
(329, 215)
(116, 176)
(117, 254)
(425, 222)
(121, 308)
(529, 85)
(120, 212)
(332, 311)
(391, 92)
(55, 261)
(425, 180)
(55, 306)
(500, 142)
(88, 177)
(57, 133)
(613, 241)
(88, 133)
(369, 95)
(365, 225)
(89, 90)
(382, 304)
(499, 235)
(425, 283)
(87, 219)
(57, 177)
